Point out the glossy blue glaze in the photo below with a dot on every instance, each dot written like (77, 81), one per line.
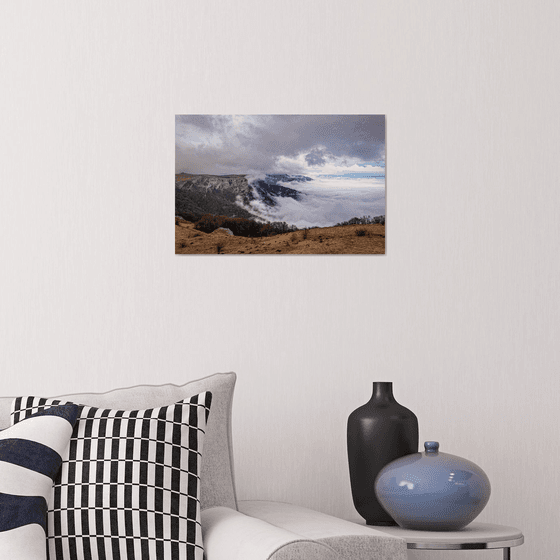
(432, 491)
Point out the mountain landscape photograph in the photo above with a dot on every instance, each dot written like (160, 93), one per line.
(280, 184)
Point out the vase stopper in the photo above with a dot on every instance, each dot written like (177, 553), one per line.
(431, 446)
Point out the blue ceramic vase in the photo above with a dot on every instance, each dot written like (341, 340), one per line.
(432, 491)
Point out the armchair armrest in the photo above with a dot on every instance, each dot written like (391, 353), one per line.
(230, 535)
(350, 541)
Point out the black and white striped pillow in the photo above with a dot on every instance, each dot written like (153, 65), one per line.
(30, 458)
(129, 487)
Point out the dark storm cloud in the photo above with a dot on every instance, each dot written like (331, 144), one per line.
(231, 144)
(316, 157)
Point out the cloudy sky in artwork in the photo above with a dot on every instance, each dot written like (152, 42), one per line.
(312, 145)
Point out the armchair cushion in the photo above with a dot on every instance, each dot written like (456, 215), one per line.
(30, 458)
(129, 485)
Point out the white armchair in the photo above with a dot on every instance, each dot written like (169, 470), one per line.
(244, 530)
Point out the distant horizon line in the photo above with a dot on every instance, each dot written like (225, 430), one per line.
(361, 176)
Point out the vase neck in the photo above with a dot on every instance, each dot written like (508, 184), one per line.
(382, 391)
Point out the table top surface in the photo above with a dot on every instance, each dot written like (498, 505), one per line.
(475, 535)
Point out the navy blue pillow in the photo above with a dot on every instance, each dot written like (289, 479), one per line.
(30, 457)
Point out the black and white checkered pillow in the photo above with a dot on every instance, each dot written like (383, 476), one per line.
(129, 487)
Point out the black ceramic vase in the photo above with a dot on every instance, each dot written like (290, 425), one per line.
(379, 432)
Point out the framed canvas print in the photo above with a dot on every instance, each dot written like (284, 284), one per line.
(279, 184)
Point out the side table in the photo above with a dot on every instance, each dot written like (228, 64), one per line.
(472, 537)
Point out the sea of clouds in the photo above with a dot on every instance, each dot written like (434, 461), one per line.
(325, 201)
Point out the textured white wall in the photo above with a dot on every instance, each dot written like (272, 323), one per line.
(463, 312)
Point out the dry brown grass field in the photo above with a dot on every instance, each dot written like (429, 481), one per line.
(338, 240)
